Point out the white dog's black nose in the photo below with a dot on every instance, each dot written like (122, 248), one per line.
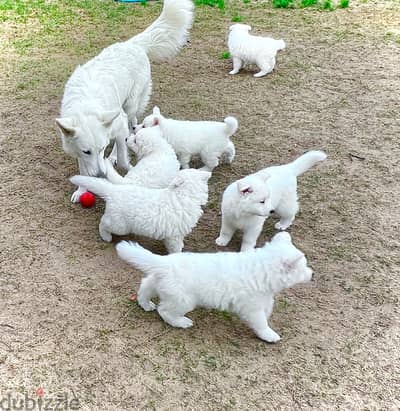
(272, 212)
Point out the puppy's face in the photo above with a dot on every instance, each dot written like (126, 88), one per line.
(254, 197)
(145, 141)
(240, 27)
(292, 262)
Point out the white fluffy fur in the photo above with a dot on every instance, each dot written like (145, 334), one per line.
(167, 214)
(247, 203)
(247, 49)
(157, 164)
(107, 93)
(208, 139)
(242, 283)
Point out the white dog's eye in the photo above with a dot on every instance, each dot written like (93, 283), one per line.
(262, 202)
(88, 152)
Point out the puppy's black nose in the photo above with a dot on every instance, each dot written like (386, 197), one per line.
(126, 140)
(272, 212)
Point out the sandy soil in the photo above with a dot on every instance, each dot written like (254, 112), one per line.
(66, 321)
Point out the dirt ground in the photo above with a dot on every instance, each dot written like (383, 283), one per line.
(66, 321)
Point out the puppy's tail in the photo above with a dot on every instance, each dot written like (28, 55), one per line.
(165, 36)
(98, 186)
(280, 44)
(139, 257)
(231, 125)
(306, 161)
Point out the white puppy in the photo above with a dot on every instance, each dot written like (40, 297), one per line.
(242, 283)
(246, 203)
(167, 214)
(209, 139)
(247, 49)
(157, 164)
(112, 89)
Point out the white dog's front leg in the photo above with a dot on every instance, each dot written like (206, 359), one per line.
(80, 190)
(122, 153)
(226, 233)
(250, 236)
(237, 65)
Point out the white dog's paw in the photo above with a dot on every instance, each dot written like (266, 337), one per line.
(183, 322)
(270, 336)
(221, 241)
(147, 305)
(77, 194)
(234, 72)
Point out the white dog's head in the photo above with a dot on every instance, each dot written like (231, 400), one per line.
(240, 27)
(85, 137)
(146, 141)
(291, 263)
(254, 196)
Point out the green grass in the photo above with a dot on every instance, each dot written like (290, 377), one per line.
(327, 5)
(343, 4)
(282, 4)
(225, 55)
(308, 3)
(213, 3)
(236, 18)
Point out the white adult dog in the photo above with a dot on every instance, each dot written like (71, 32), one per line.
(246, 203)
(167, 214)
(209, 139)
(247, 49)
(242, 283)
(157, 164)
(107, 93)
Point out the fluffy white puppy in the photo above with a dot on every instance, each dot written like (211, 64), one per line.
(167, 214)
(209, 139)
(247, 49)
(247, 203)
(242, 283)
(112, 89)
(157, 164)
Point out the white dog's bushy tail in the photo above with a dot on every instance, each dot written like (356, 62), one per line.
(98, 186)
(306, 161)
(231, 125)
(166, 35)
(139, 257)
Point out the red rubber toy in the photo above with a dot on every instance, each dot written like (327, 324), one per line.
(87, 199)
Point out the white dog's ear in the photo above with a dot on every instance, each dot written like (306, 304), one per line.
(265, 176)
(66, 126)
(244, 187)
(289, 263)
(156, 111)
(107, 117)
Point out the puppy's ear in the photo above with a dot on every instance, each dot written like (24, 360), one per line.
(66, 126)
(156, 111)
(247, 27)
(107, 117)
(265, 176)
(204, 175)
(289, 263)
(244, 187)
(156, 121)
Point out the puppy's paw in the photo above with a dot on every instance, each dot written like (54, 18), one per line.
(233, 72)
(147, 305)
(184, 322)
(282, 226)
(221, 241)
(270, 336)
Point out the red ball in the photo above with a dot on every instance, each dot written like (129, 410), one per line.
(87, 199)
